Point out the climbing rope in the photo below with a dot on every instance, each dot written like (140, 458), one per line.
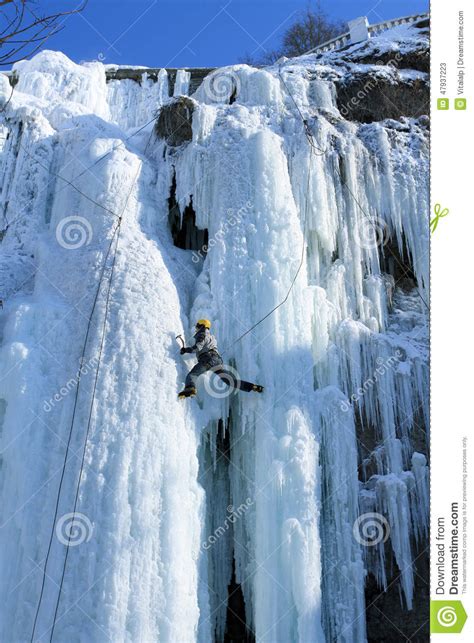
(344, 183)
(76, 396)
(307, 129)
(112, 249)
(283, 301)
(316, 151)
(87, 169)
(114, 239)
(94, 390)
(89, 423)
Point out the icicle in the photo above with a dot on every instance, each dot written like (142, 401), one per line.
(343, 569)
(181, 84)
(156, 487)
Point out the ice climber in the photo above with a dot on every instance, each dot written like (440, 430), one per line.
(205, 347)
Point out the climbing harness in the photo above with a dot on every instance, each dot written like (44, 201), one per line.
(112, 251)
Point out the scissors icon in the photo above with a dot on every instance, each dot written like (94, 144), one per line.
(439, 214)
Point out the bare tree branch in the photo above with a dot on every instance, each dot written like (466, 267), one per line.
(23, 31)
(312, 27)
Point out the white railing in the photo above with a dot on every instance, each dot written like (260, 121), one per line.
(388, 24)
(348, 37)
(335, 43)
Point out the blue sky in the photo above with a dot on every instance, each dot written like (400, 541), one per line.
(182, 33)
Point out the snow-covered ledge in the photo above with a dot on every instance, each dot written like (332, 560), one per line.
(360, 30)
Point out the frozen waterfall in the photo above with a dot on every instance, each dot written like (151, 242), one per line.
(178, 501)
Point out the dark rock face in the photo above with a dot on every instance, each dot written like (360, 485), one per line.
(422, 24)
(185, 233)
(371, 97)
(416, 56)
(174, 123)
(394, 84)
(137, 74)
(387, 618)
(418, 59)
(387, 621)
(398, 264)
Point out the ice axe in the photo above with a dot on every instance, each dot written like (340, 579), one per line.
(180, 339)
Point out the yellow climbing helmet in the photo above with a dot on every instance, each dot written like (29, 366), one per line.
(203, 322)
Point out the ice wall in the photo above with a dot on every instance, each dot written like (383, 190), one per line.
(341, 330)
(136, 573)
(343, 361)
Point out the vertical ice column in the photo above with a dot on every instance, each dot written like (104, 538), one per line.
(181, 84)
(132, 104)
(248, 276)
(136, 572)
(343, 567)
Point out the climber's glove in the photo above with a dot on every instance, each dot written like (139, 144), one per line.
(185, 350)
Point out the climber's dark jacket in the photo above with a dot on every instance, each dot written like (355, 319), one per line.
(205, 347)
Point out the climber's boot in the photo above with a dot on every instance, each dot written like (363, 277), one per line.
(257, 388)
(187, 392)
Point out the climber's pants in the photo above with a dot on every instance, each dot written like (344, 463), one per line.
(213, 361)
